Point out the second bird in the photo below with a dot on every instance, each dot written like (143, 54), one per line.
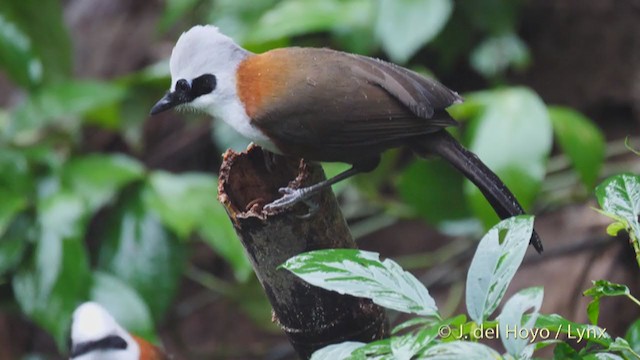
(323, 105)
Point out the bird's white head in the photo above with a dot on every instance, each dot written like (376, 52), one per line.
(95, 335)
(203, 71)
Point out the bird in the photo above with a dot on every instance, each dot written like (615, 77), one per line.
(95, 335)
(323, 105)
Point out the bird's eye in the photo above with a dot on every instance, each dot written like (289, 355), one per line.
(203, 84)
(182, 86)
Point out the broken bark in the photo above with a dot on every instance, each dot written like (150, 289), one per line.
(310, 316)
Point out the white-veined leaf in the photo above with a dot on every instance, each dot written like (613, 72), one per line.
(512, 319)
(362, 274)
(456, 350)
(494, 264)
(337, 351)
(619, 197)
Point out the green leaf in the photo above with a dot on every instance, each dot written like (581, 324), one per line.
(620, 344)
(174, 10)
(468, 109)
(565, 352)
(404, 26)
(10, 205)
(13, 242)
(17, 56)
(24, 168)
(599, 289)
(337, 351)
(633, 336)
(42, 22)
(298, 17)
(16, 185)
(188, 203)
(580, 140)
(97, 178)
(418, 321)
(459, 328)
(499, 254)
(50, 286)
(460, 350)
(491, 16)
(362, 274)
(512, 318)
(358, 39)
(137, 249)
(593, 311)
(615, 227)
(409, 345)
(619, 196)
(606, 288)
(217, 231)
(179, 199)
(12, 250)
(380, 350)
(531, 348)
(61, 103)
(603, 356)
(557, 325)
(237, 19)
(512, 135)
(405, 346)
(434, 190)
(124, 304)
(497, 54)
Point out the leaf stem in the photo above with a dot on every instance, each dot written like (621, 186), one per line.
(208, 280)
(634, 299)
(627, 144)
(636, 246)
(635, 354)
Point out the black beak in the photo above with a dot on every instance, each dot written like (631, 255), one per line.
(169, 101)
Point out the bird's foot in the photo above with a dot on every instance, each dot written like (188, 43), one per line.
(293, 196)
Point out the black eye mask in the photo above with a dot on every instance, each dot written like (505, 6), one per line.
(185, 92)
(203, 84)
(111, 342)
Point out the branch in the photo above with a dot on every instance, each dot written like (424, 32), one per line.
(310, 316)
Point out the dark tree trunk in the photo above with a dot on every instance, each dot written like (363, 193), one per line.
(310, 316)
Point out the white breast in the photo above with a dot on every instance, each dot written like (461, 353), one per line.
(234, 114)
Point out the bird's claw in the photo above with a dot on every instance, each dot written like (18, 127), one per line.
(290, 191)
(313, 209)
(290, 198)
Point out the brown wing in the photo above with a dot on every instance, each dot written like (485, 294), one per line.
(330, 99)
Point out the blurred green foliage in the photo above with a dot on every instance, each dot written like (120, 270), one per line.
(581, 140)
(51, 191)
(35, 45)
(510, 131)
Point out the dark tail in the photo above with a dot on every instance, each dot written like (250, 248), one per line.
(494, 190)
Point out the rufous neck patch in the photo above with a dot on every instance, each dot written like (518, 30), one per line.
(262, 78)
(149, 351)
